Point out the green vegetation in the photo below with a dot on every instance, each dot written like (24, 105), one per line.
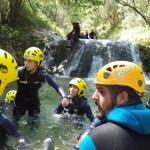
(112, 19)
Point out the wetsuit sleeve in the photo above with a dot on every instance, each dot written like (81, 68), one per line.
(87, 144)
(59, 109)
(20, 70)
(95, 123)
(58, 88)
(87, 110)
(8, 126)
(62, 92)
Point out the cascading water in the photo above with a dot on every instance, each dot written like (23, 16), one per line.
(88, 56)
(135, 54)
(96, 53)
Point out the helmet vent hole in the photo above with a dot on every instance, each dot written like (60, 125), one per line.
(106, 75)
(12, 60)
(5, 55)
(140, 83)
(34, 54)
(115, 66)
(122, 66)
(40, 63)
(109, 69)
(0, 82)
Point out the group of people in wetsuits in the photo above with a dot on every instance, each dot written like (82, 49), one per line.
(88, 35)
(122, 119)
(76, 33)
(30, 78)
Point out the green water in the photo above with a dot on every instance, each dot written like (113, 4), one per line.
(63, 131)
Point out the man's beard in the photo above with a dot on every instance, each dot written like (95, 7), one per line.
(100, 113)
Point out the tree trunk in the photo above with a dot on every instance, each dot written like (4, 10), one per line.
(15, 11)
(4, 19)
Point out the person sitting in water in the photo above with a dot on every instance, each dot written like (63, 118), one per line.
(8, 74)
(31, 76)
(9, 102)
(77, 103)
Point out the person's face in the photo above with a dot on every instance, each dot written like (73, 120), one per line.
(73, 90)
(6, 101)
(102, 98)
(31, 65)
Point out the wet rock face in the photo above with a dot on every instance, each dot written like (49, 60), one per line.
(86, 57)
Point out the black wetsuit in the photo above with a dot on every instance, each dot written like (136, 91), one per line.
(75, 33)
(27, 98)
(92, 35)
(78, 106)
(127, 128)
(7, 127)
(86, 36)
(123, 138)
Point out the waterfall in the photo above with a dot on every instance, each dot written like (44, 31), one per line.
(95, 66)
(135, 54)
(88, 56)
(96, 53)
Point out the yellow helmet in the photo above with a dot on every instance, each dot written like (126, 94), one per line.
(123, 73)
(8, 70)
(10, 96)
(92, 29)
(34, 53)
(86, 30)
(82, 33)
(73, 21)
(80, 84)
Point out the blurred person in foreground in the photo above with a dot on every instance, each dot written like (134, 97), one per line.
(8, 74)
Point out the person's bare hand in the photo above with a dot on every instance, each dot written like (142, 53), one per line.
(65, 102)
(81, 139)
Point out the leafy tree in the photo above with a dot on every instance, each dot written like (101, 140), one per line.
(142, 8)
(4, 7)
(10, 11)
